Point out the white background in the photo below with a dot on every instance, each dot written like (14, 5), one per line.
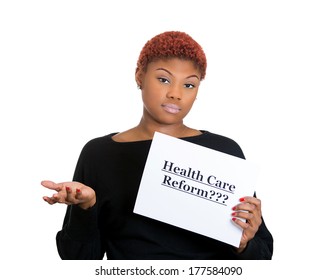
(67, 76)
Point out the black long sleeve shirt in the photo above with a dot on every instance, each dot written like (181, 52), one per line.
(114, 170)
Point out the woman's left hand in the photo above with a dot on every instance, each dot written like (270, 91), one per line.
(250, 210)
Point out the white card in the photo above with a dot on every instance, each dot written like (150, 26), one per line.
(194, 187)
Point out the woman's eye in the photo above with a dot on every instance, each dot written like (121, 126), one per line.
(163, 80)
(189, 85)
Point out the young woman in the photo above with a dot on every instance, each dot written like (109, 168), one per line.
(99, 219)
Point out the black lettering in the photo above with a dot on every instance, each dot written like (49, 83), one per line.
(166, 180)
(168, 165)
(210, 180)
(202, 193)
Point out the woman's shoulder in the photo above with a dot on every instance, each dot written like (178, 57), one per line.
(220, 138)
(101, 139)
(220, 143)
(98, 143)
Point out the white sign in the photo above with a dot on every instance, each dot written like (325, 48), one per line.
(194, 187)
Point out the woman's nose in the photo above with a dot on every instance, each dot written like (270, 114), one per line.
(174, 93)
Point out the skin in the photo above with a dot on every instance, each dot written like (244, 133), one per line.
(169, 89)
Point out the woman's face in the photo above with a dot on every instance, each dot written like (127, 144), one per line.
(169, 89)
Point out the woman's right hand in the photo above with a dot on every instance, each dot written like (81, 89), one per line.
(70, 193)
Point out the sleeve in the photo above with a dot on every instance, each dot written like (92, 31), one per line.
(79, 238)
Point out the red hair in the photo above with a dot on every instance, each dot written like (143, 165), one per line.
(172, 44)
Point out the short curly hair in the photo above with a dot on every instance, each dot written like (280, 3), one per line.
(172, 44)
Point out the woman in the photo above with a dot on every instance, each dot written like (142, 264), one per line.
(99, 219)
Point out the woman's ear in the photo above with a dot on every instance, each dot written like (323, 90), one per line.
(138, 78)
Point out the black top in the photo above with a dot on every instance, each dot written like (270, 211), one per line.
(114, 170)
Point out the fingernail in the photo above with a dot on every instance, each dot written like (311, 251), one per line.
(77, 190)
(242, 199)
(234, 214)
(234, 208)
(234, 219)
(67, 188)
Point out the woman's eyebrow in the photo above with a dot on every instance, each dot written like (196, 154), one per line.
(160, 68)
(193, 76)
(163, 69)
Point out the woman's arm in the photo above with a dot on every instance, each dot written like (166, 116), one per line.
(79, 237)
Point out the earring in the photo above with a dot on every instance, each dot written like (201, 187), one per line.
(139, 87)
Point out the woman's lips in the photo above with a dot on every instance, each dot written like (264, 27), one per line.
(171, 108)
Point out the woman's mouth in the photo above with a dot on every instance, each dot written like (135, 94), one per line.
(171, 108)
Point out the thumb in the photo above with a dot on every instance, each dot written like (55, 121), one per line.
(51, 185)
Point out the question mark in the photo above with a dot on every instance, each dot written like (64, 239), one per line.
(219, 195)
(225, 197)
(212, 193)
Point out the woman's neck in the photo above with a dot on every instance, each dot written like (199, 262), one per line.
(148, 129)
(145, 131)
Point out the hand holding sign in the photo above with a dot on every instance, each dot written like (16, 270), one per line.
(250, 210)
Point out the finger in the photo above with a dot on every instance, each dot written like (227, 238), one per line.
(56, 198)
(51, 185)
(251, 200)
(240, 223)
(78, 194)
(70, 196)
(248, 216)
(248, 203)
(68, 193)
(244, 207)
(49, 200)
